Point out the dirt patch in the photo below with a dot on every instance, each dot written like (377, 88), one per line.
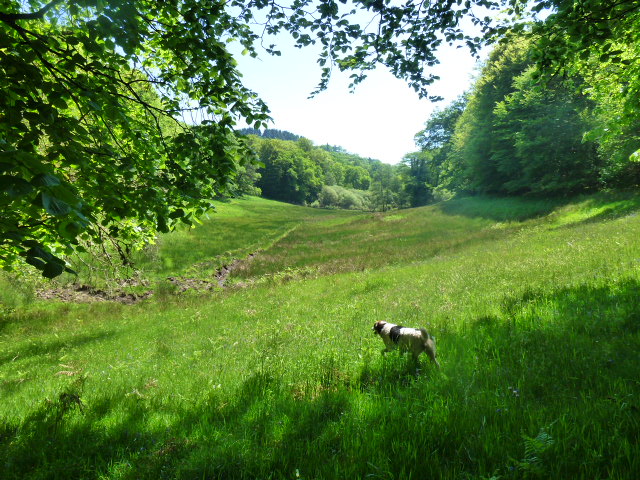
(88, 294)
(218, 280)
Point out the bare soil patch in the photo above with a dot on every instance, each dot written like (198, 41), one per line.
(89, 294)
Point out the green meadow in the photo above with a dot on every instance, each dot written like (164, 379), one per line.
(535, 306)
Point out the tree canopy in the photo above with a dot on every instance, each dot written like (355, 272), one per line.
(93, 138)
(516, 135)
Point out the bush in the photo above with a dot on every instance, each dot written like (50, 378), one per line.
(328, 197)
(340, 197)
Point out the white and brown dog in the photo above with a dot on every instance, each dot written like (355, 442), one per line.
(414, 340)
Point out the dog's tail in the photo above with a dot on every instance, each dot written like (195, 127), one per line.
(429, 345)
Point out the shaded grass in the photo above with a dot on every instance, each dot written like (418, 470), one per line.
(537, 332)
(505, 379)
(502, 209)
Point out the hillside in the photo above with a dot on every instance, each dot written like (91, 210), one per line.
(534, 305)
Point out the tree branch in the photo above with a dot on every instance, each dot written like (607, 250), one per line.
(12, 17)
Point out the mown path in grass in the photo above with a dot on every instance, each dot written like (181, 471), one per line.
(537, 328)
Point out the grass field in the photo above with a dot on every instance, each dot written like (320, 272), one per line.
(535, 306)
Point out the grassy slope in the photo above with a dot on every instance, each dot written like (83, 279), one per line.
(537, 326)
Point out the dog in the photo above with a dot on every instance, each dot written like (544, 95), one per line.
(414, 340)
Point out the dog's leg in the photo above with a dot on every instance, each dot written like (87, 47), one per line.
(429, 346)
(432, 356)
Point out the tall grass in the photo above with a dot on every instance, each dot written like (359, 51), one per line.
(236, 229)
(537, 329)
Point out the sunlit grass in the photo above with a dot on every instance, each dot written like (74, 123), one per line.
(238, 228)
(537, 329)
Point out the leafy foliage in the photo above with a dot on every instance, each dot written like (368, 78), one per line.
(540, 147)
(429, 169)
(288, 174)
(345, 198)
(522, 134)
(298, 172)
(270, 133)
(90, 143)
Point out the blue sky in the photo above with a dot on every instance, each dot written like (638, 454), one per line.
(379, 120)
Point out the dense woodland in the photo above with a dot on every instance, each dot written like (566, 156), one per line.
(296, 171)
(512, 134)
(515, 134)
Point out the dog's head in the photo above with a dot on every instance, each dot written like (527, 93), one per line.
(378, 326)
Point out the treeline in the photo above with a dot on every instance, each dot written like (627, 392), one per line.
(516, 133)
(327, 176)
(324, 176)
(270, 133)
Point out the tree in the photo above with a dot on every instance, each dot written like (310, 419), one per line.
(418, 181)
(288, 173)
(332, 172)
(328, 197)
(540, 131)
(438, 130)
(382, 198)
(432, 167)
(474, 137)
(357, 177)
(91, 141)
(614, 89)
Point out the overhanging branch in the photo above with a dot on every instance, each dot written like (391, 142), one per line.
(12, 17)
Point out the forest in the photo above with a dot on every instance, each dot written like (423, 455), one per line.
(511, 134)
(296, 171)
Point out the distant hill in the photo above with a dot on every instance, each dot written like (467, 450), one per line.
(294, 170)
(271, 133)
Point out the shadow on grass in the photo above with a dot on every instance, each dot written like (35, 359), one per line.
(546, 388)
(36, 348)
(610, 207)
(213, 439)
(502, 209)
(570, 340)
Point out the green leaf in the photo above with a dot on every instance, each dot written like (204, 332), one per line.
(69, 230)
(53, 268)
(162, 225)
(37, 251)
(36, 262)
(177, 213)
(14, 186)
(54, 206)
(45, 180)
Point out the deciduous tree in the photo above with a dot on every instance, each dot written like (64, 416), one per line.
(94, 142)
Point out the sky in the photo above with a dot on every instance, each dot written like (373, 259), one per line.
(378, 121)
